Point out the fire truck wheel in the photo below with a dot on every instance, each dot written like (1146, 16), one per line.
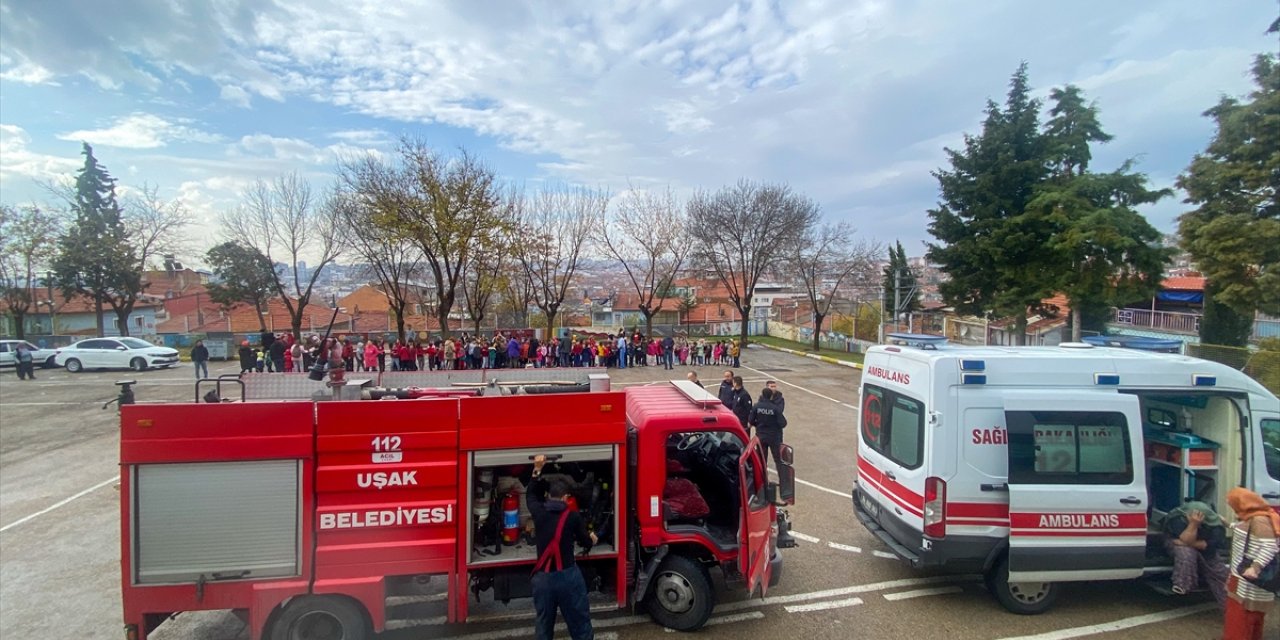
(681, 597)
(1024, 598)
(320, 618)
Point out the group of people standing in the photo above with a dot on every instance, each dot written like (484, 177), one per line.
(766, 414)
(1196, 538)
(281, 353)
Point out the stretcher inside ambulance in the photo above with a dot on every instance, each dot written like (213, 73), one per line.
(1041, 465)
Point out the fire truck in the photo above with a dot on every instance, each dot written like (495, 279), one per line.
(319, 518)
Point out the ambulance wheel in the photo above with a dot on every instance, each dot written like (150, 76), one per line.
(681, 597)
(1023, 598)
(320, 618)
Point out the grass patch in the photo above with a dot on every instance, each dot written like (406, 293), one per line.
(808, 348)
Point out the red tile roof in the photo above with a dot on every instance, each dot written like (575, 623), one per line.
(1183, 283)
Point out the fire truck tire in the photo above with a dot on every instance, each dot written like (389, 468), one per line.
(1023, 598)
(681, 596)
(320, 618)
(73, 366)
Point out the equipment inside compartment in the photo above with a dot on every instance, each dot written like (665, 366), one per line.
(502, 528)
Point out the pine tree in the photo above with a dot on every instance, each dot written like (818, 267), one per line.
(95, 258)
(900, 282)
(989, 244)
(1109, 254)
(1233, 234)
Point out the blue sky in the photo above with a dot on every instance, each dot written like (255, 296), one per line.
(850, 102)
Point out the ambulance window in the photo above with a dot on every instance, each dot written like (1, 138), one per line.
(1069, 447)
(1271, 446)
(893, 425)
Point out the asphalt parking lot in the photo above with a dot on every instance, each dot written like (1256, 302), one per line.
(59, 535)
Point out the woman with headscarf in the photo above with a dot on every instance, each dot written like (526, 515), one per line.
(1253, 538)
(1196, 537)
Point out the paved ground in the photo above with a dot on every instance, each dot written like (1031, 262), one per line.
(59, 536)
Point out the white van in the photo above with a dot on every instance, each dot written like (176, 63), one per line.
(1038, 465)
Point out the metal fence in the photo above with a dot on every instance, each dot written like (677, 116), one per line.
(1262, 365)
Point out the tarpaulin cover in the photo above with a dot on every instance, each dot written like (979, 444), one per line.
(1180, 296)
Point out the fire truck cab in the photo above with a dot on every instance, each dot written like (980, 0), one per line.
(1041, 465)
(317, 519)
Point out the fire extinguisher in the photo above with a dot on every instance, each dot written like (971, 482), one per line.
(510, 519)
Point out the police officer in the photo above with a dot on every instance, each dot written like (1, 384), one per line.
(769, 422)
(740, 402)
(777, 394)
(557, 581)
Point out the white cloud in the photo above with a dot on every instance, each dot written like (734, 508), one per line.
(27, 73)
(20, 162)
(850, 102)
(140, 131)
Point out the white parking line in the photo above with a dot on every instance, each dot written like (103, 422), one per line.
(844, 547)
(737, 617)
(823, 606)
(804, 536)
(1117, 625)
(60, 503)
(884, 554)
(808, 391)
(920, 593)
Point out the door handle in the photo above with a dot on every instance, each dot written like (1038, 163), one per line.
(999, 486)
(1130, 500)
(1271, 496)
(889, 475)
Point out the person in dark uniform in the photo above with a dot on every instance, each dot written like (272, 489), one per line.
(267, 339)
(725, 392)
(777, 394)
(769, 422)
(557, 581)
(741, 402)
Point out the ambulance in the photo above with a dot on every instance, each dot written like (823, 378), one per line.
(1040, 465)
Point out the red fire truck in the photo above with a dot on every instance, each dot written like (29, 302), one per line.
(313, 519)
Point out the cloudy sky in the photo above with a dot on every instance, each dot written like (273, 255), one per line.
(851, 102)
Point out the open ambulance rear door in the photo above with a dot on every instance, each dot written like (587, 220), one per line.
(1266, 464)
(1077, 486)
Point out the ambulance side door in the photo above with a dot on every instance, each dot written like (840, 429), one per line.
(1077, 486)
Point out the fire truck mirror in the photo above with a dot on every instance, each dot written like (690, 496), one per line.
(786, 484)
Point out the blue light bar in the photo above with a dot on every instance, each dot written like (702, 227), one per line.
(973, 365)
(1201, 380)
(1106, 378)
(974, 378)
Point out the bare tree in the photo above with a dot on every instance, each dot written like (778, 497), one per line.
(28, 242)
(826, 258)
(282, 220)
(646, 232)
(371, 192)
(552, 229)
(485, 279)
(154, 227)
(451, 208)
(517, 296)
(743, 231)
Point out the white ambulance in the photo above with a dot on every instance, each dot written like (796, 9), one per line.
(1039, 465)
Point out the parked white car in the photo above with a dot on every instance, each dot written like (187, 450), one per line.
(114, 353)
(9, 354)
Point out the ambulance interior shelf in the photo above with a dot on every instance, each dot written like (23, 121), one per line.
(501, 528)
(1181, 466)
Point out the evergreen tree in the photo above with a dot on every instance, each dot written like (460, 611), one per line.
(1221, 324)
(1110, 255)
(246, 275)
(95, 258)
(900, 281)
(989, 244)
(1233, 234)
